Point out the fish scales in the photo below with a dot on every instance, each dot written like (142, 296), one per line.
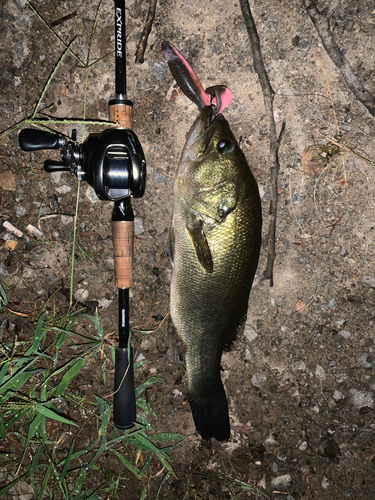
(215, 243)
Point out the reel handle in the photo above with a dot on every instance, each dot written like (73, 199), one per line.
(33, 140)
(51, 166)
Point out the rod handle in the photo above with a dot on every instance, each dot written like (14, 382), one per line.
(124, 414)
(121, 113)
(123, 240)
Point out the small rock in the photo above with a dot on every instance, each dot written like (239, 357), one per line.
(159, 69)
(7, 180)
(158, 178)
(344, 334)
(20, 53)
(249, 333)
(337, 395)
(138, 226)
(20, 211)
(297, 198)
(274, 467)
(259, 379)
(140, 358)
(81, 295)
(176, 393)
(280, 482)
(56, 177)
(368, 280)
(332, 363)
(3, 270)
(104, 303)
(331, 303)
(326, 482)
(282, 457)
(360, 399)
(91, 195)
(298, 365)
(364, 359)
(301, 445)
(64, 189)
(320, 373)
(271, 441)
(340, 377)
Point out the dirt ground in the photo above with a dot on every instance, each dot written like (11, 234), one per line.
(300, 381)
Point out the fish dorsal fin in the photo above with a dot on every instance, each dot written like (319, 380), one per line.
(200, 245)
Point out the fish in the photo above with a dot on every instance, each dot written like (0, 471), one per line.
(214, 245)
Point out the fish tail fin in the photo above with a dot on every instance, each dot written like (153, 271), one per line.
(211, 416)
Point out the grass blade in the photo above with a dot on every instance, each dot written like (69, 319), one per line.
(67, 462)
(69, 376)
(128, 464)
(47, 412)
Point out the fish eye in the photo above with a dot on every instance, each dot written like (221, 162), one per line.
(225, 146)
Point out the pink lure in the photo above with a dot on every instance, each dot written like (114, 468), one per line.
(219, 96)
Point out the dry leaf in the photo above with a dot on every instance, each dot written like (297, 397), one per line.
(301, 307)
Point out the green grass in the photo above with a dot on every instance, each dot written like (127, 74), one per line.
(44, 412)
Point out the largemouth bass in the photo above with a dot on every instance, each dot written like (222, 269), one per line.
(214, 246)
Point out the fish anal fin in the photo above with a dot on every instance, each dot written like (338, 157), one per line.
(200, 245)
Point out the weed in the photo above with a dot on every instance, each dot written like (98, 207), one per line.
(45, 415)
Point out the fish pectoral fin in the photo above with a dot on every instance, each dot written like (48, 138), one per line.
(218, 203)
(200, 245)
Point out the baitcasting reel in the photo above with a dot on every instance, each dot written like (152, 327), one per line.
(112, 162)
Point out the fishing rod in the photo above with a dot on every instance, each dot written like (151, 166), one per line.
(113, 163)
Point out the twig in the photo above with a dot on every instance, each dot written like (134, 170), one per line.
(268, 96)
(321, 23)
(141, 48)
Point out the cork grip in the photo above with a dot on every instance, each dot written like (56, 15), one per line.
(123, 237)
(122, 114)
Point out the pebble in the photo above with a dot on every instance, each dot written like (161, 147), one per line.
(159, 69)
(138, 226)
(90, 194)
(337, 395)
(3, 270)
(344, 334)
(281, 481)
(259, 379)
(298, 365)
(301, 445)
(340, 377)
(320, 372)
(249, 333)
(271, 441)
(63, 189)
(360, 399)
(326, 482)
(20, 53)
(20, 211)
(81, 295)
(104, 303)
(297, 198)
(158, 178)
(8, 182)
(331, 303)
(364, 359)
(368, 280)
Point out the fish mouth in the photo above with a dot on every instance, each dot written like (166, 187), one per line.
(201, 132)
